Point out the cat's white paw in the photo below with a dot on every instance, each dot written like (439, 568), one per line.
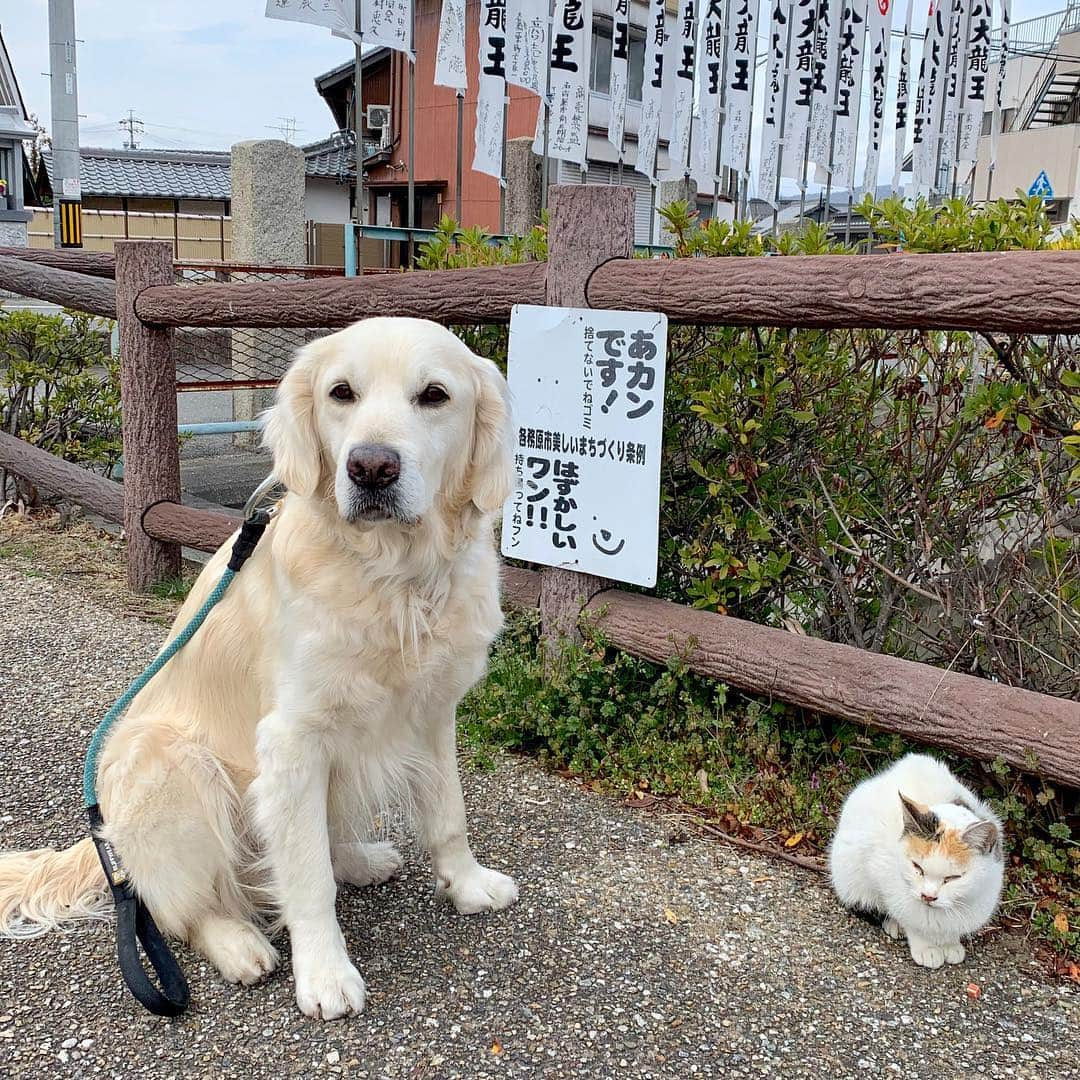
(928, 956)
(954, 954)
(891, 928)
(480, 889)
(366, 864)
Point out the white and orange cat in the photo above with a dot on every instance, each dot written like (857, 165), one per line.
(917, 847)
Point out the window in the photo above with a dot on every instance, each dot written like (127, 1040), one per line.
(600, 70)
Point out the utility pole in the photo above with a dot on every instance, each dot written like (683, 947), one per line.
(358, 129)
(65, 115)
(133, 126)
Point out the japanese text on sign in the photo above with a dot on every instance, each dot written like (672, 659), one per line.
(588, 390)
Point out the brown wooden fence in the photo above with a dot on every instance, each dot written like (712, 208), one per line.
(590, 264)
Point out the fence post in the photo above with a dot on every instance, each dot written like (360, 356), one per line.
(587, 226)
(148, 403)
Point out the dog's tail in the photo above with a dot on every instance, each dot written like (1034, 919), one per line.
(45, 889)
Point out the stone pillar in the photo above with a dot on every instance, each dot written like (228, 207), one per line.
(268, 222)
(523, 187)
(669, 191)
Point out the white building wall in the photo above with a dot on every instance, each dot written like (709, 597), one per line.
(326, 201)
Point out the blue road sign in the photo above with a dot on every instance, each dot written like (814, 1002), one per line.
(1042, 187)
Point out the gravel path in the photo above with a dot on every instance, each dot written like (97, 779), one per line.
(628, 955)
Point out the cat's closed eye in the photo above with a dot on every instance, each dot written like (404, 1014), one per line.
(953, 877)
(918, 868)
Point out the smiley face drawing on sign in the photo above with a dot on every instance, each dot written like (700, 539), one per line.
(607, 537)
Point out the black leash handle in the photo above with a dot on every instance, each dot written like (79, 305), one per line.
(134, 926)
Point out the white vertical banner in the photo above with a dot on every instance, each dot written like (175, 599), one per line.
(382, 22)
(526, 32)
(740, 66)
(775, 70)
(823, 112)
(974, 99)
(849, 91)
(387, 22)
(800, 96)
(955, 66)
(652, 89)
(338, 15)
(710, 84)
(571, 41)
(619, 86)
(488, 157)
(924, 127)
(878, 45)
(450, 52)
(903, 99)
(681, 51)
(1003, 56)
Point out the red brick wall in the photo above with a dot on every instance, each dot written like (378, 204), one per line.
(436, 121)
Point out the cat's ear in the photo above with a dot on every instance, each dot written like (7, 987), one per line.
(919, 820)
(981, 837)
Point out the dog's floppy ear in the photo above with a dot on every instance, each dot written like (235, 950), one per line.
(490, 480)
(290, 429)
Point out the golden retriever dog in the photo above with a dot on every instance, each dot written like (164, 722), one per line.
(322, 689)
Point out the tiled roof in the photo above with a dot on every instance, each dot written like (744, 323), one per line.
(330, 159)
(153, 174)
(191, 174)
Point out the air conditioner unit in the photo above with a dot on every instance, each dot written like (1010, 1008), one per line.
(378, 117)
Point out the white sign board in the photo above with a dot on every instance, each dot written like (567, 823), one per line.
(71, 189)
(588, 392)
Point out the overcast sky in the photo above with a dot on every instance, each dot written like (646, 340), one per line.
(198, 73)
(207, 73)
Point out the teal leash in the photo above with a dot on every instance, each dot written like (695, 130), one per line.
(135, 925)
(114, 714)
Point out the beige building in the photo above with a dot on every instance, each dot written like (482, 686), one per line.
(1041, 116)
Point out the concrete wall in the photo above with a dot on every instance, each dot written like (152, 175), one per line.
(1022, 154)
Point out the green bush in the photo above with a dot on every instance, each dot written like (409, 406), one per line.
(912, 493)
(60, 386)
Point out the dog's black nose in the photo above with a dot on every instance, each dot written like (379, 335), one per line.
(373, 466)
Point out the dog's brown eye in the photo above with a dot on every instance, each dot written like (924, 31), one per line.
(341, 392)
(433, 395)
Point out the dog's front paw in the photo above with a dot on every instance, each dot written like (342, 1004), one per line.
(479, 889)
(328, 989)
(927, 956)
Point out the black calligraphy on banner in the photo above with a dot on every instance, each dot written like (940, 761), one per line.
(568, 126)
(652, 93)
(488, 151)
(976, 80)
(740, 65)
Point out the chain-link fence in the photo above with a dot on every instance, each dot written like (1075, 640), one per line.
(240, 358)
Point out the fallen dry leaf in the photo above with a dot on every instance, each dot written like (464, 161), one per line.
(1061, 922)
(496, 1048)
(670, 916)
(794, 841)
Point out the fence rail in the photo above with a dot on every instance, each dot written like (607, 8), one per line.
(590, 241)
